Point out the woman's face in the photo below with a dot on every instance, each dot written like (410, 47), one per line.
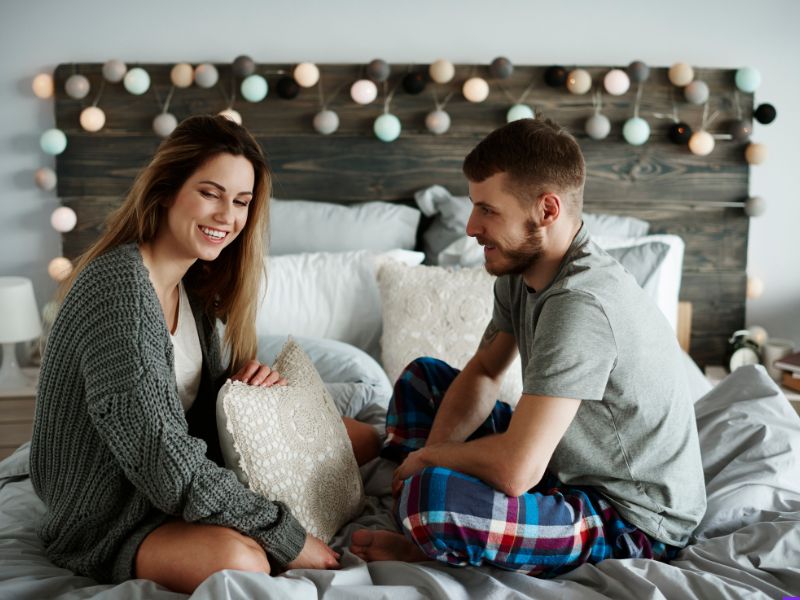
(211, 207)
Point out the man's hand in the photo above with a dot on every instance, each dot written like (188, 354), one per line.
(315, 555)
(254, 373)
(414, 463)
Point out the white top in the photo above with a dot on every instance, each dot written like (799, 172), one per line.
(188, 355)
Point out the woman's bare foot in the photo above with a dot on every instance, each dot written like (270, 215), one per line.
(371, 545)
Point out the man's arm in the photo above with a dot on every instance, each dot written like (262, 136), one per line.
(472, 394)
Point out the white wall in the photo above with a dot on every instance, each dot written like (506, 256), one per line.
(35, 36)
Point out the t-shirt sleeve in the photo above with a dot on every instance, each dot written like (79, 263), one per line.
(573, 350)
(501, 314)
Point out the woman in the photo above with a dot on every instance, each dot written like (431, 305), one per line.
(127, 461)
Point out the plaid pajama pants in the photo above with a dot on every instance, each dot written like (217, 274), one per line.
(458, 519)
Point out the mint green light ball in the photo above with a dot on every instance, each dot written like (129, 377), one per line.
(136, 81)
(748, 79)
(519, 111)
(254, 88)
(53, 141)
(636, 131)
(387, 128)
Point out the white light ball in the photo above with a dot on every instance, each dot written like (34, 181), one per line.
(45, 179)
(696, 92)
(43, 86)
(363, 91)
(164, 124)
(136, 81)
(114, 70)
(254, 88)
(326, 122)
(616, 82)
(387, 127)
(598, 127)
(206, 75)
(758, 334)
(701, 143)
(755, 154)
(182, 75)
(306, 74)
(636, 131)
(579, 81)
(92, 118)
(63, 219)
(53, 142)
(437, 121)
(755, 206)
(231, 115)
(59, 268)
(519, 111)
(442, 71)
(475, 89)
(77, 86)
(681, 74)
(755, 287)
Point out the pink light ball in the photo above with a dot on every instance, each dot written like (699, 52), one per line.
(363, 91)
(45, 179)
(701, 143)
(182, 75)
(43, 86)
(475, 89)
(63, 219)
(92, 118)
(59, 268)
(306, 74)
(616, 82)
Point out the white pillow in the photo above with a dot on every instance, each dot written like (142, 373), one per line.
(289, 443)
(330, 295)
(438, 312)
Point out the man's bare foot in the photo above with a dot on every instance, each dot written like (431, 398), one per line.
(371, 545)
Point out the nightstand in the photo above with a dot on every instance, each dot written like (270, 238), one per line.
(16, 414)
(715, 374)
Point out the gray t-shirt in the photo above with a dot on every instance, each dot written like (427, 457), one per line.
(594, 335)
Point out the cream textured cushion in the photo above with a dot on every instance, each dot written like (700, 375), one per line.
(438, 312)
(289, 443)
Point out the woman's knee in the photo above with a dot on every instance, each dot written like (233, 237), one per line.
(240, 553)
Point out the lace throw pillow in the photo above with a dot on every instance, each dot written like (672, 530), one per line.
(438, 312)
(289, 443)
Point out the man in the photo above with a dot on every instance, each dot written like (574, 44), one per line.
(600, 457)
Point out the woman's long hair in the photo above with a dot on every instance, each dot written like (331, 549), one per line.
(228, 286)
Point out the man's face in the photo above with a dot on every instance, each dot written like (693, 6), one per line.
(502, 225)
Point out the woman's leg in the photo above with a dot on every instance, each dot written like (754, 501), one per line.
(365, 440)
(180, 555)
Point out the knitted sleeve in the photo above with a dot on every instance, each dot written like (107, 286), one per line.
(132, 402)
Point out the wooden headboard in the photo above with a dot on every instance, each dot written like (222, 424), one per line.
(698, 198)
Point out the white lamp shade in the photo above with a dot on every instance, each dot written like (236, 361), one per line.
(19, 314)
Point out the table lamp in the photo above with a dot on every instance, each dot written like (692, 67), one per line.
(19, 321)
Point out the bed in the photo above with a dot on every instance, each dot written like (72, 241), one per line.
(351, 284)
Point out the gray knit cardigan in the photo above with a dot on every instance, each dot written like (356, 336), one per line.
(113, 455)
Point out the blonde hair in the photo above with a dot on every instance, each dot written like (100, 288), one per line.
(228, 287)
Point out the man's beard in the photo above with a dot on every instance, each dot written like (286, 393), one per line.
(518, 260)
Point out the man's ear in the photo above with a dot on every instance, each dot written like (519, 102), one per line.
(548, 208)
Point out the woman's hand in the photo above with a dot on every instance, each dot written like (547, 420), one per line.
(315, 554)
(254, 373)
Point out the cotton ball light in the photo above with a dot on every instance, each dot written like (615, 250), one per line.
(765, 113)
(555, 76)
(77, 86)
(287, 88)
(616, 82)
(63, 219)
(164, 124)
(475, 89)
(231, 115)
(748, 79)
(182, 75)
(740, 130)
(696, 92)
(579, 81)
(638, 71)
(755, 206)
(45, 179)
(53, 142)
(243, 66)
(501, 68)
(437, 121)
(519, 111)
(679, 133)
(755, 287)
(254, 88)
(136, 81)
(363, 91)
(441, 71)
(701, 143)
(755, 154)
(92, 118)
(43, 86)
(387, 127)
(306, 74)
(378, 70)
(59, 268)
(114, 70)
(681, 74)
(414, 83)
(758, 334)
(326, 122)
(598, 127)
(206, 75)
(636, 131)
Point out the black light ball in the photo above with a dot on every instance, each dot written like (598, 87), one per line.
(414, 83)
(679, 133)
(378, 70)
(243, 66)
(740, 130)
(765, 113)
(287, 88)
(638, 71)
(501, 68)
(555, 76)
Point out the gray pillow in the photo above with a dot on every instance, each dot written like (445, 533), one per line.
(642, 261)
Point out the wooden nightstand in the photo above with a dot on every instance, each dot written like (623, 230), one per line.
(715, 374)
(16, 414)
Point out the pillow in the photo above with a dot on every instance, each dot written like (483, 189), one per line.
(305, 226)
(438, 312)
(289, 443)
(327, 295)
